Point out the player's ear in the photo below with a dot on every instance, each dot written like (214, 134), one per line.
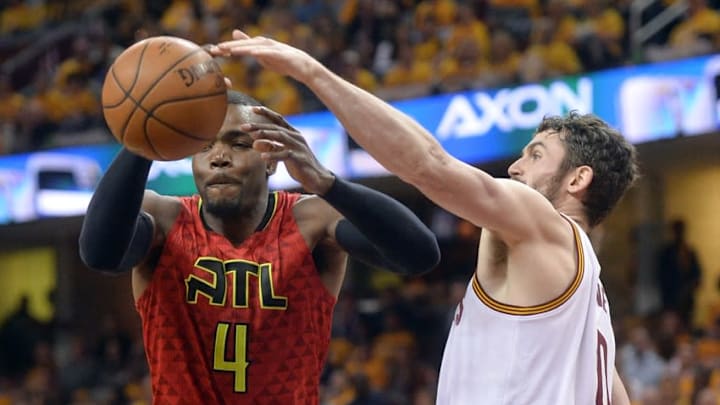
(581, 179)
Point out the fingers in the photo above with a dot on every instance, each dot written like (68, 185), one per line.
(237, 34)
(225, 48)
(244, 44)
(241, 43)
(273, 116)
(263, 145)
(228, 82)
(278, 156)
(216, 50)
(270, 132)
(272, 151)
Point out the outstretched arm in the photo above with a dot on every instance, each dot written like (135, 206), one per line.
(115, 234)
(375, 228)
(403, 146)
(380, 231)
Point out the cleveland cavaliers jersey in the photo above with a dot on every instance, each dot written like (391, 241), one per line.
(558, 353)
(247, 324)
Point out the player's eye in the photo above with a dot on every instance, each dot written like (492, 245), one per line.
(535, 156)
(241, 145)
(207, 147)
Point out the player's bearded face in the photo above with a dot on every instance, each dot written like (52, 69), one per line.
(550, 186)
(229, 174)
(223, 205)
(542, 165)
(234, 192)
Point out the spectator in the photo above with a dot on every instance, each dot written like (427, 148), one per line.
(10, 108)
(641, 365)
(598, 35)
(679, 273)
(21, 16)
(702, 22)
(504, 61)
(546, 57)
(19, 336)
(407, 77)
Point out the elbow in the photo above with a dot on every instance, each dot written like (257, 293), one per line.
(424, 258)
(97, 260)
(101, 264)
(429, 257)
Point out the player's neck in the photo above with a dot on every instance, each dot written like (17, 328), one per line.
(239, 226)
(576, 213)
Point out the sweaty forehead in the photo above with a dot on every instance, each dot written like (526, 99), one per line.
(241, 114)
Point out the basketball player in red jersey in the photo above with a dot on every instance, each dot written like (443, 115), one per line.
(236, 285)
(534, 327)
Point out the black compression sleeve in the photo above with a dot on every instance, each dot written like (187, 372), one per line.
(115, 235)
(380, 230)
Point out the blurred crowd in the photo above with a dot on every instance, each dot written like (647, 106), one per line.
(388, 333)
(388, 336)
(54, 54)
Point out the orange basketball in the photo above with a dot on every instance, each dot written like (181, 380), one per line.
(164, 98)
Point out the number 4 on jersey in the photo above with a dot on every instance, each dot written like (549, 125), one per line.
(239, 364)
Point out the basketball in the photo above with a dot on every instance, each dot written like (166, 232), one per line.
(164, 98)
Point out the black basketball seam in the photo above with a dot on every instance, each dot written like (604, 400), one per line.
(150, 114)
(152, 86)
(148, 141)
(132, 85)
(137, 73)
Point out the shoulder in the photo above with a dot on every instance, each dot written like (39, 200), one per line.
(310, 206)
(315, 216)
(164, 209)
(541, 216)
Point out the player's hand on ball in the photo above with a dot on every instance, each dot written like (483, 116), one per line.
(271, 54)
(278, 141)
(209, 49)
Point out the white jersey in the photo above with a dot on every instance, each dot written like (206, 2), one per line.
(558, 353)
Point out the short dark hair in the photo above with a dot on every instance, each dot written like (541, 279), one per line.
(239, 98)
(591, 141)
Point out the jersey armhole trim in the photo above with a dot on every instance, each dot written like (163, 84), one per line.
(541, 308)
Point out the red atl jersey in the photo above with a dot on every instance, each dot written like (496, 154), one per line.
(236, 325)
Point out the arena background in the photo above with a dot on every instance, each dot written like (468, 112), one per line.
(478, 74)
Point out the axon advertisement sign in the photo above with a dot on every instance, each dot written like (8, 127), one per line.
(508, 110)
(646, 103)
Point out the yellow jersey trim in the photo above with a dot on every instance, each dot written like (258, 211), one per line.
(537, 309)
(269, 214)
(266, 221)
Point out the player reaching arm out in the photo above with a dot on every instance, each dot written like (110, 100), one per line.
(534, 325)
(118, 235)
(239, 265)
(404, 147)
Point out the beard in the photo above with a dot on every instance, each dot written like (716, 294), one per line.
(551, 189)
(223, 207)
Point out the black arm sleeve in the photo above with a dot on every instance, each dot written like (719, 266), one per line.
(115, 235)
(380, 231)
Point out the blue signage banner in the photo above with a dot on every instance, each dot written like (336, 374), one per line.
(645, 102)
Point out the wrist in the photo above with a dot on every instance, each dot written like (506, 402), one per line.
(326, 183)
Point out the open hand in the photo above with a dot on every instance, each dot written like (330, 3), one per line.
(271, 54)
(278, 141)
